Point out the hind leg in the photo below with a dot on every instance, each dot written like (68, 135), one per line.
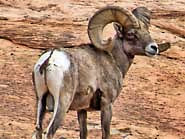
(63, 96)
(40, 89)
(61, 106)
(41, 107)
(61, 82)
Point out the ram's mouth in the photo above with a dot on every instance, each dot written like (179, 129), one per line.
(150, 53)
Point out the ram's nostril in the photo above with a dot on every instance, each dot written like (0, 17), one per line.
(154, 47)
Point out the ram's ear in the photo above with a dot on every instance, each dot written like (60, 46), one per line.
(143, 14)
(119, 29)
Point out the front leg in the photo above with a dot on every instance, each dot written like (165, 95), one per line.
(106, 116)
(82, 120)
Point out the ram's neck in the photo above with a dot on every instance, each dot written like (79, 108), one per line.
(122, 60)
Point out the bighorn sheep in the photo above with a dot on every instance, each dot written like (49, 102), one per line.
(89, 77)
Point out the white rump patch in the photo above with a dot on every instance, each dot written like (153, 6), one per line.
(41, 60)
(59, 59)
(58, 64)
(39, 78)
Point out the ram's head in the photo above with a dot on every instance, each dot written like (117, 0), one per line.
(131, 30)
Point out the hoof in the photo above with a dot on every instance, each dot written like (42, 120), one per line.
(37, 135)
(46, 136)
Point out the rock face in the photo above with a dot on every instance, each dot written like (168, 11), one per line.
(151, 105)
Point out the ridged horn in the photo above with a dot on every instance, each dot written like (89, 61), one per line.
(143, 14)
(105, 16)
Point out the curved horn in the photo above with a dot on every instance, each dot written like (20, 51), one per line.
(143, 14)
(105, 16)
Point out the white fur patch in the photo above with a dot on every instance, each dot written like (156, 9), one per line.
(39, 78)
(41, 60)
(58, 64)
(60, 59)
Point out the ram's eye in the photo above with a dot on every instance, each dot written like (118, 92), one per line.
(131, 35)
